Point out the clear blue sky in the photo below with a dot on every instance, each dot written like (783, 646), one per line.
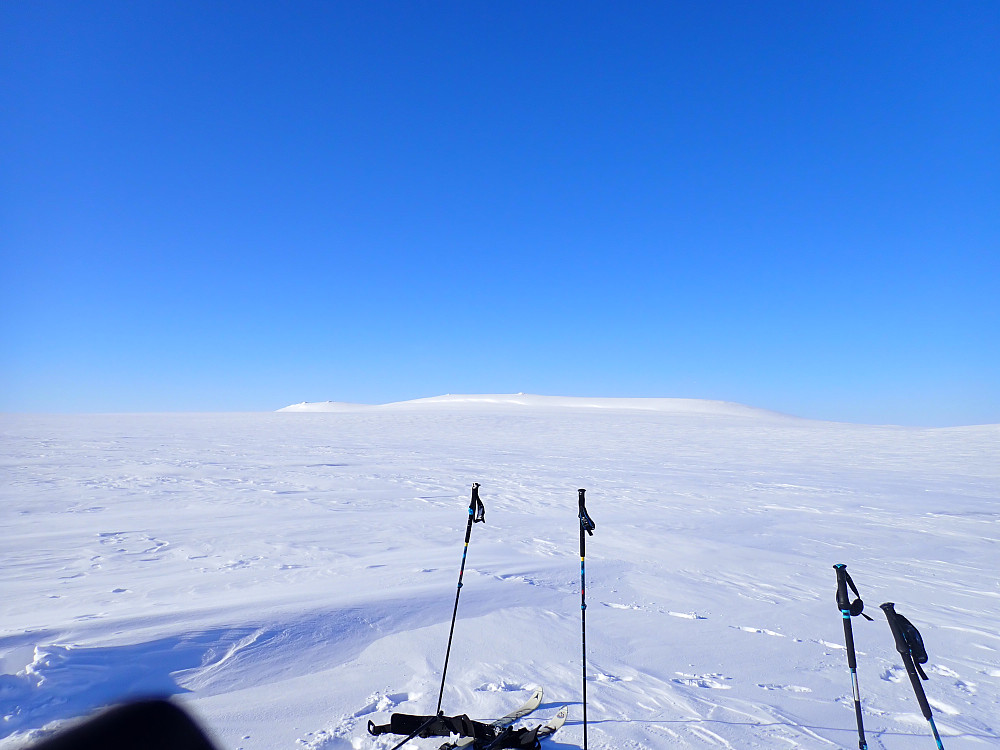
(241, 205)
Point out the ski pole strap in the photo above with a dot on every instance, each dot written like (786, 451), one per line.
(586, 522)
(476, 508)
(907, 637)
(844, 602)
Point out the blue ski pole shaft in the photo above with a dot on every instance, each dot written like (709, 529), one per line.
(934, 730)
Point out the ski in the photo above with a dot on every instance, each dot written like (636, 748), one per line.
(554, 724)
(503, 722)
(525, 738)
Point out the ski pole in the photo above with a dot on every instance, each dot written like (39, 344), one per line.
(586, 525)
(477, 514)
(851, 609)
(909, 644)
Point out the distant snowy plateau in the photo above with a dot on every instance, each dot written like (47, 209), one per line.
(289, 576)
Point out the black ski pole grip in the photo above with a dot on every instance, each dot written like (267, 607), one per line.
(904, 651)
(897, 632)
(843, 598)
(475, 511)
(586, 522)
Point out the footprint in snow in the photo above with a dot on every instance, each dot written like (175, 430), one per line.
(942, 707)
(788, 688)
(347, 732)
(893, 674)
(969, 688)
(943, 671)
(834, 646)
(601, 677)
(711, 681)
(326, 739)
(762, 631)
(380, 703)
(687, 615)
(500, 687)
(545, 547)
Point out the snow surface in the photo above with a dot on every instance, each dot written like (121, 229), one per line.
(288, 576)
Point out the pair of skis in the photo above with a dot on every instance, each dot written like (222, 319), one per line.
(909, 644)
(476, 735)
(504, 724)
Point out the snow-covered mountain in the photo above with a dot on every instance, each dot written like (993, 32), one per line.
(289, 577)
(474, 401)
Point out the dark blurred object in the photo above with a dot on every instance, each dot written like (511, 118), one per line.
(146, 725)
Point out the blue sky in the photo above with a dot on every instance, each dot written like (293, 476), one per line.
(237, 206)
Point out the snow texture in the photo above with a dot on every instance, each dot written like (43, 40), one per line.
(288, 576)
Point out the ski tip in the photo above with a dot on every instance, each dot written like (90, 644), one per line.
(534, 701)
(536, 698)
(554, 724)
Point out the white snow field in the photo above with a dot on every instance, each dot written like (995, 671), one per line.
(289, 576)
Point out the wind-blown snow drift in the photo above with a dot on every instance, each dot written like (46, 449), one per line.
(289, 576)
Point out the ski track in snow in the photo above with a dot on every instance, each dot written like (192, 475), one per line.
(288, 577)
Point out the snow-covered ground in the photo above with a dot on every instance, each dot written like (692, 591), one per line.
(290, 575)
